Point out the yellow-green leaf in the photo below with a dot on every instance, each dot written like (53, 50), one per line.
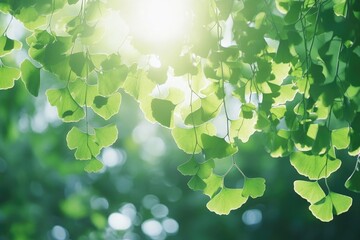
(226, 200)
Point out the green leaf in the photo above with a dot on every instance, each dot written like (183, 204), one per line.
(82, 93)
(314, 167)
(78, 63)
(30, 75)
(189, 168)
(210, 108)
(226, 200)
(340, 138)
(8, 77)
(333, 203)
(189, 139)
(353, 182)
(340, 7)
(322, 210)
(254, 187)
(196, 183)
(85, 144)
(213, 184)
(106, 107)
(205, 169)
(68, 109)
(311, 191)
(94, 166)
(162, 111)
(7, 45)
(340, 202)
(106, 136)
(110, 81)
(215, 147)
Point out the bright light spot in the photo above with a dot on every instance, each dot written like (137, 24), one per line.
(252, 217)
(143, 132)
(58, 232)
(129, 210)
(152, 228)
(119, 221)
(159, 21)
(154, 61)
(112, 157)
(112, 40)
(150, 200)
(170, 225)
(154, 147)
(159, 211)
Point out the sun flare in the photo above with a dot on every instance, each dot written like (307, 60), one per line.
(161, 20)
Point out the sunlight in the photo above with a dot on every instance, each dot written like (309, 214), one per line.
(161, 20)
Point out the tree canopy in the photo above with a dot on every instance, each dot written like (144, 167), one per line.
(215, 73)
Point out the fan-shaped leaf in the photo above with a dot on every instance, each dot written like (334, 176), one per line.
(314, 167)
(30, 75)
(226, 200)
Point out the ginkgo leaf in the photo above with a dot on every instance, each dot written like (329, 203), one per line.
(311, 191)
(7, 45)
(196, 183)
(340, 7)
(89, 145)
(340, 202)
(205, 169)
(30, 75)
(94, 166)
(323, 210)
(215, 147)
(314, 167)
(106, 107)
(106, 136)
(189, 139)
(210, 108)
(254, 187)
(85, 144)
(226, 200)
(82, 93)
(189, 168)
(68, 109)
(162, 111)
(213, 184)
(353, 182)
(8, 77)
(333, 203)
(111, 80)
(340, 138)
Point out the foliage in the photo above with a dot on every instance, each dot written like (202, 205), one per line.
(288, 73)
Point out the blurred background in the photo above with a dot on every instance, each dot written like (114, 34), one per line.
(46, 194)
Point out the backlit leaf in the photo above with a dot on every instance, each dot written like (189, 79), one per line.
(8, 77)
(7, 45)
(353, 182)
(215, 147)
(312, 166)
(162, 111)
(189, 168)
(226, 200)
(106, 107)
(189, 139)
(94, 166)
(254, 187)
(30, 75)
(311, 191)
(340, 138)
(68, 109)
